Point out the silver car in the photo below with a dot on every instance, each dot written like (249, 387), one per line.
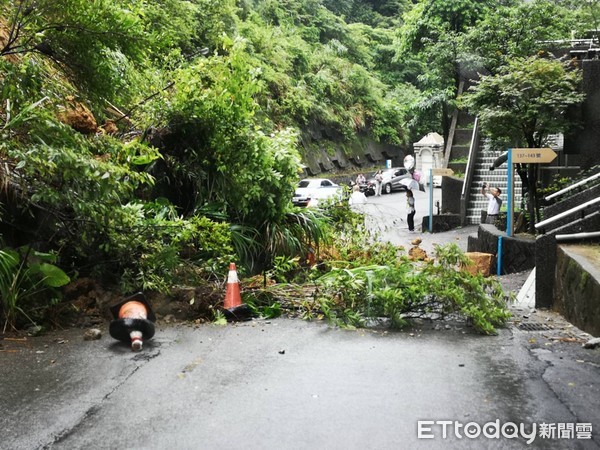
(391, 181)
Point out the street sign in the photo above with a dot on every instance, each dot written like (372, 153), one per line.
(442, 172)
(532, 155)
(522, 156)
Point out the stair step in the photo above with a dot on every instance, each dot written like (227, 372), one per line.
(462, 136)
(460, 151)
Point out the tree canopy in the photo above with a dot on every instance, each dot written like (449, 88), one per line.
(526, 101)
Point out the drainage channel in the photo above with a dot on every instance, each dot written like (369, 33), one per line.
(533, 326)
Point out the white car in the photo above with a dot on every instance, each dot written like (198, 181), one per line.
(310, 191)
(424, 176)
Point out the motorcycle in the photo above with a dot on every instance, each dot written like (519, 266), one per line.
(367, 188)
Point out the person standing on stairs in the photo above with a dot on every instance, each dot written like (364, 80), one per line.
(494, 202)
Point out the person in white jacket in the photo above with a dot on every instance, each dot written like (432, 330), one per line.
(357, 199)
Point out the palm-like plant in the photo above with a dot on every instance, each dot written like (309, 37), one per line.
(299, 231)
(22, 279)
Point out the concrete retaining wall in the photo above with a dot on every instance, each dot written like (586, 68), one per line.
(578, 288)
(545, 257)
(451, 190)
(323, 153)
(518, 253)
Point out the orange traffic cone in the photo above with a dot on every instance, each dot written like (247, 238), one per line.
(233, 308)
(133, 321)
(233, 297)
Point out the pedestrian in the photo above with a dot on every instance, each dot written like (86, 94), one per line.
(357, 199)
(410, 210)
(378, 183)
(360, 179)
(494, 202)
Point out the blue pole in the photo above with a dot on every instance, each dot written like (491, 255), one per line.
(499, 257)
(431, 200)
(509, 195)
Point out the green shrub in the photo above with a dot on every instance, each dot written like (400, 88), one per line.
(27, 285)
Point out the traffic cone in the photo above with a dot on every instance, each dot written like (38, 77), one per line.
(133, 321)
(233, 297)
(233, 308)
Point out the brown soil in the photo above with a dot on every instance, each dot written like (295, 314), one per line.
(87, 303)
(78, 116)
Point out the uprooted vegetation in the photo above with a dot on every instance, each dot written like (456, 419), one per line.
(362, 280)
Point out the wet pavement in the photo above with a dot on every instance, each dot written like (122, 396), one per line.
(387, 216)
(291, 384)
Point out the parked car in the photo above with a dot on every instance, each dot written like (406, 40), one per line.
(391, 181)
(437, 179)
(311, 191)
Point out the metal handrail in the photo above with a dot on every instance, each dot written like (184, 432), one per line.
(473, 150)
(567, 213)
(450, 141)
(472, 157)
(577, 236)
(573, 186)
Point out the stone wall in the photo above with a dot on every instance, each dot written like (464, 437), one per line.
(451, 192)
(578, 289)
(518, 253)
(545, 256)
(441, 222)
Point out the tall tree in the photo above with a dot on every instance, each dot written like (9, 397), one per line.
(520, 30)
(524, 103)
(433, 35)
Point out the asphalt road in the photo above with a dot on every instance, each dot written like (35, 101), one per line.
(289, 384)
(386, 216)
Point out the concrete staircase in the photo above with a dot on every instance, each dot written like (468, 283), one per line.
(461, 145)
(498, 177)
(456, 157)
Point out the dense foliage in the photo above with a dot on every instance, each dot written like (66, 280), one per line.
(146, 143)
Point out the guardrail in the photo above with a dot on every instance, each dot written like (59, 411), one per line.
(577, 236)
(567, 213)
(472, 157)
(573, 186)
(473, 151)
